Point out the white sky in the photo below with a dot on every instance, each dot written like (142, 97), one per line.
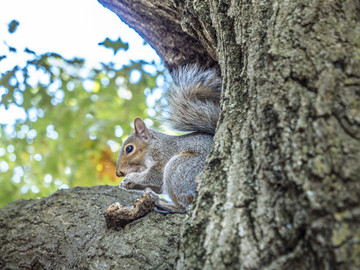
(71, 28)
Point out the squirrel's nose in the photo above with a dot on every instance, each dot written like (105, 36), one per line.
(120, 174)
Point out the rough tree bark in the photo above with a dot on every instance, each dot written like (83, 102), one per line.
(67, 230)
(160, 23)
(281, 187)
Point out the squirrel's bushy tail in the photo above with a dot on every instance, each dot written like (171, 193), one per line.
(194, 99)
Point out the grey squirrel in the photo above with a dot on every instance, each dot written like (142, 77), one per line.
(154, 162)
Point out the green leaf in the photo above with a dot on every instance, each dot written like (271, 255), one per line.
(27, 50)
(115, 45)
(13, 26)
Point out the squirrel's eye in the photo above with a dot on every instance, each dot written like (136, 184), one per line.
(129, 149)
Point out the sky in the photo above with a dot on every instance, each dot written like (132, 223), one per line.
(71, 28)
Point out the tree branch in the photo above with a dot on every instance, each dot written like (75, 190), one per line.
(67, 230)
(160, 23)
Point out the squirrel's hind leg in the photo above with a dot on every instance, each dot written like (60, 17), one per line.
(179, 178)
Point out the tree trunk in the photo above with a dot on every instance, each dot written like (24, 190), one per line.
(67, 230)
(281, 188)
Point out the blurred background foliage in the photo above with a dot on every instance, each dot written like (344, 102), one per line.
(71, 120)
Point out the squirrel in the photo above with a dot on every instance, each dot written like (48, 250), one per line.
(153, 162)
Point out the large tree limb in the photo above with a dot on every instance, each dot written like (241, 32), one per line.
(67, 230)
(160, 22)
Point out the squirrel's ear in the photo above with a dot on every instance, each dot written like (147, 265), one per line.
(141, 129)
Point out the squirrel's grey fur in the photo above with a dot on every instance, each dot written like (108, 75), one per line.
(194, 99)
(152, 161)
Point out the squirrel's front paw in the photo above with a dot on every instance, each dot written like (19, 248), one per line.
(125, 184)
(128, 184)
(133, 183)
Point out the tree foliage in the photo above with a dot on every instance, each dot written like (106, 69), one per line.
(71, 120)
